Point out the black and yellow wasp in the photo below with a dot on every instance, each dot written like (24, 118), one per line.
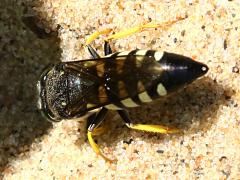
(116, 81)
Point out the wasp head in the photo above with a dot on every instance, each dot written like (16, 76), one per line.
(60, 94)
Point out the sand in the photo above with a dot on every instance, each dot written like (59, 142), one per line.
(207, 112)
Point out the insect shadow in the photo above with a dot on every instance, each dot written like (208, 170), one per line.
(23, 57)
(191, 110)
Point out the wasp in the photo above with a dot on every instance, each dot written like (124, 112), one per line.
(117, 81)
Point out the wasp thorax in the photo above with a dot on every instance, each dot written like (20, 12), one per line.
(61, 93)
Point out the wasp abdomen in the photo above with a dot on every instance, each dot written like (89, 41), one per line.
(148, 75)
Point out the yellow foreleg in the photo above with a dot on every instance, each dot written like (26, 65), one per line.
(131, 31)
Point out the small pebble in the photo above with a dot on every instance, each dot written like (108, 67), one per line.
(160, 151)
(235, 69)
(225, 44)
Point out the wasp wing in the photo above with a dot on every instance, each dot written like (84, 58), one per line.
(117, 78)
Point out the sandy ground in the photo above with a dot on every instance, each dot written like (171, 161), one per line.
(207, 111)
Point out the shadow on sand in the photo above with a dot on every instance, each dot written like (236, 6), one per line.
(191, 110)
(25, 49)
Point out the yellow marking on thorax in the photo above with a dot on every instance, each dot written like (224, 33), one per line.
(61, 73)
(63, 103)
(161, 90)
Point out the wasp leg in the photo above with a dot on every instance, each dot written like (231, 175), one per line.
(107, 48)
(93, 52)
(130, 31)
(96, 35)
(145, 127)
(144, 27)
(99, 130)
(95, 122)
(95, 55)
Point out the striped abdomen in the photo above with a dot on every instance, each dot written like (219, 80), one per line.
(135, 78)
(132, 78)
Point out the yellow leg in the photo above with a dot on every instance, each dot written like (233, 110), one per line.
(141, 28)
(153, 128)
(96, 147)
(131, 31)
(96, 35)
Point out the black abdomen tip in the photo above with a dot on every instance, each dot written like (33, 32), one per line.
(180, 70)
(204, 68)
